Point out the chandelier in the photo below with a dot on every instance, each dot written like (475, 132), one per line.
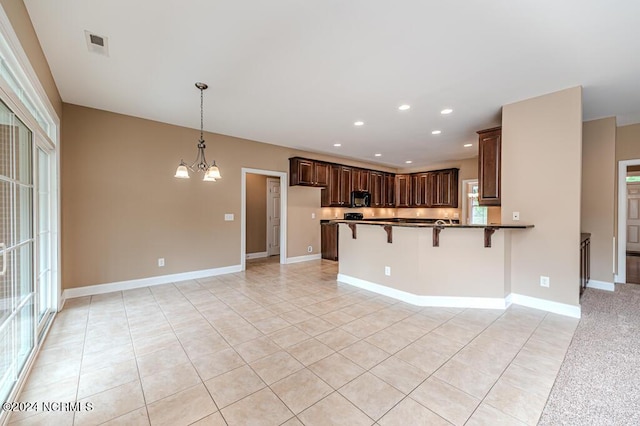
(211, 172)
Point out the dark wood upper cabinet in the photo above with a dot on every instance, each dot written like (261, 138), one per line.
(438, 188)
(389, 192)
(308, 172)
(420, 190)
(489, 166)
(403, 190)
(338, 191)
(444, 188)
(360, 180)
(345, 185)
(377, 189)
(322, 173)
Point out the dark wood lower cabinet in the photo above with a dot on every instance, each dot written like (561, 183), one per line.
(329, 241)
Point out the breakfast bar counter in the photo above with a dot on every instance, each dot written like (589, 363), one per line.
(429, 264)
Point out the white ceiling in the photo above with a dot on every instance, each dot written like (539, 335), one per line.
(298, 73)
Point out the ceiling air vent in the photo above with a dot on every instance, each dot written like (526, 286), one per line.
(97, 43)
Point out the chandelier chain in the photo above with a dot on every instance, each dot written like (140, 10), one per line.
(201, 114)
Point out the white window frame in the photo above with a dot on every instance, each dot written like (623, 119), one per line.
(23, 93)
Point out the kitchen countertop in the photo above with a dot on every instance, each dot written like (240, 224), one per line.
(414, 224)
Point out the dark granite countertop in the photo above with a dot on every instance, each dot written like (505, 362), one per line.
(413, 224)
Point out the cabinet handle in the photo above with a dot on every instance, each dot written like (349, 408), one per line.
(3, 247)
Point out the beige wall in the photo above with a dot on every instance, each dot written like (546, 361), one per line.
(256, 213)
(541, 175)
(628, 142)
(122, 208)
(421, 269)
(598, 185)
(21, 23)
(303, 230)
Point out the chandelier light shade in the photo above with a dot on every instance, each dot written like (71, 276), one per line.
(211, 171)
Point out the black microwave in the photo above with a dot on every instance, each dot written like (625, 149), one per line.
(360, 199)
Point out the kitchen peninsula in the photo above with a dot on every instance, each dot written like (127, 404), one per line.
(429, 264)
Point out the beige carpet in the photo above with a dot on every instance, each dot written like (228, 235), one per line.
(599, 381)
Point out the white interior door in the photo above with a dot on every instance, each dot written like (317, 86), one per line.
(273, 216)
(633, 216)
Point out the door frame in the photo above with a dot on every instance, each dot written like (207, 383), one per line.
(269, 208)
(465, 199)
(284, 179)
(621, 276)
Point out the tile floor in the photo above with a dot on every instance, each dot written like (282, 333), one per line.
(288, 345)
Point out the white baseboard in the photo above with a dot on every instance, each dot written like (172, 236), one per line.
(307, 258)
(546, 305)
(601, 285)
(91, 290)
(257, 255)
(436, 301)
(464, 302)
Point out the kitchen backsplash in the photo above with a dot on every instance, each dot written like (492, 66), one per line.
(338, 213)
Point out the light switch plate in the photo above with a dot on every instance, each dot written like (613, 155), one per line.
(228, 217)
(313, 215)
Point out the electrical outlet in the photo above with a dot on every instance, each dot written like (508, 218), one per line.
(516, 215)
(387, 271)
(446, 215)
(456, 215)
(544, 281)
(161, 262)
(228, 217)
(310, 249)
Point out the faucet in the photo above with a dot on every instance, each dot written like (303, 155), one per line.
(440, 222)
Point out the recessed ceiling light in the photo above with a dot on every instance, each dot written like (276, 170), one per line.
(408, 161)
(359, 123)
(378, 155)
(337, 144)
(436, 132)
(404, 107)
(446, 111)
(467, 145)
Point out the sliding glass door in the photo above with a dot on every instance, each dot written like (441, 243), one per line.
(17, 243)
(45, 238)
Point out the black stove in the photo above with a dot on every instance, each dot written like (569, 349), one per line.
(353, 216)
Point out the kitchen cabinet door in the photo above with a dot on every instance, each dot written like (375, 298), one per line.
(389, 198)
(444, 188)
(360, 180)
(403, 190)
(420, 190)
(322, 173)
(489, 166)
(377, 189)
(329, 241)
(306, 172)
(302, 172)
(345, 185)
(338, 191)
